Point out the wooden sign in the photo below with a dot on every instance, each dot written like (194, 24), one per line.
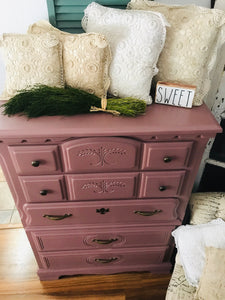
(174, 94)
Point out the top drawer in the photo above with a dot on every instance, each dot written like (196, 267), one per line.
(100, 154)
(163, 155)
(32, 160)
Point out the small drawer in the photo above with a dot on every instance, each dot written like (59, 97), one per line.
(102, 258)
(163, 155)
(161, 184)
(104, 212)
(73, 239)
(43, 188)
(100, 154)
(102, 186)
(35, 160)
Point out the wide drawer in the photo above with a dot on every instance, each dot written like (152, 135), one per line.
(100, 154)
(43, 188)
(102, 258)
(161, 184)
(102, 186)
(73, 239)
(35, 160)
(165, 155)
(104, 212)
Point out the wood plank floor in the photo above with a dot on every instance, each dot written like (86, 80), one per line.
(18, 279)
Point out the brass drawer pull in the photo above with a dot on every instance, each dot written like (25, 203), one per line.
(147, 213)
(43, 192)
(104, 242)
(106, 260)
(57, 217)
(162, 188)
(167, 159)
(35, 163)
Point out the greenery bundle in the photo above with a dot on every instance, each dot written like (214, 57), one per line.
(51, 101)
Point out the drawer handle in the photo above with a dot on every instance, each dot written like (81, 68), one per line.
(104, 242)
(162, 188)
(106, 260)
(167, 159)
(57, 217)
(102, 210)
(43, 192)
(147, 213)
(35, 163)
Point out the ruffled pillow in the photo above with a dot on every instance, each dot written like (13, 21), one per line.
(29, 60)
(191, 241)
(136, 39)
(192, 44)
(86, 58)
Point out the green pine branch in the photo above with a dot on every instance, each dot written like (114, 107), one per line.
(52, 101)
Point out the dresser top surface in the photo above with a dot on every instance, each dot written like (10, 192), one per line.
(158, 119)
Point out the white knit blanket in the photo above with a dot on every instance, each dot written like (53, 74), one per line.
(191, 241)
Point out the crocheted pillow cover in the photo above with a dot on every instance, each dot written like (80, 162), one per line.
(193, 41)
(86, 58)
(136, 39)
(29, 60)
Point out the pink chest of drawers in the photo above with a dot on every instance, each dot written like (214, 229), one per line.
(99, 194)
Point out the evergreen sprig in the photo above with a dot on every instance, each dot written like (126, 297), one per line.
(51, 101)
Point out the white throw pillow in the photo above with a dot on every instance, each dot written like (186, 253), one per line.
(136, 39)
(191, 241)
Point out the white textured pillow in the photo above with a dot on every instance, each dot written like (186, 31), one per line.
(29, 60)
(191, 241)
(136, 39)
(86, 58)
(192, 44)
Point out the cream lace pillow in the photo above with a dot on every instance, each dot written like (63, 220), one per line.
(195, 36)
(136, 39)
(29, 60)
(86, 58)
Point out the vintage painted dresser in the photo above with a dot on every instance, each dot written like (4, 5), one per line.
(100, 194)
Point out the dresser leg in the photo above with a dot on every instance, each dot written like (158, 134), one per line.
(45, 275)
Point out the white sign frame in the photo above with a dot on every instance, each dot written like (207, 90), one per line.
(174, 94)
